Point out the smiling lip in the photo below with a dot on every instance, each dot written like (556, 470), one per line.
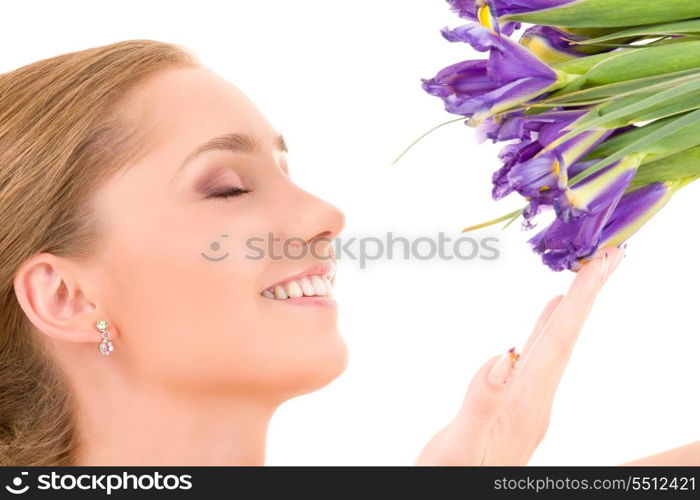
(313, 285)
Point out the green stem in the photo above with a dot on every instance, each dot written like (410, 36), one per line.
(512, 215)
(513, 219)
(461, 118)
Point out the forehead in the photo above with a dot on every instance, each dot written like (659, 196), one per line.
(181, 108)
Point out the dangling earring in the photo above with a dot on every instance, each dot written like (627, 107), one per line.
(105, 347)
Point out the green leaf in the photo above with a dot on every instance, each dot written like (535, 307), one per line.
(603, 92)
(636, 147)
(661, 29)
(685, 137)
(675, 107)
(644, 62)
(682, 138)
(668, 107)
(580, 65)
(628, 65)
(684, 164)
(607, 13)
(673, 40)
(619, 141)
(596, 118)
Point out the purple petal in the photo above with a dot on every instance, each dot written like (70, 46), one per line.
(462, 80)
(563, 243)
(608, 194)
(511, 155)
(531, 177)
(479, 37)
(632, 206)
(509, 61)
(510, 75)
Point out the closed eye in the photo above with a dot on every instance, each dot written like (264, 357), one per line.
(228, 193)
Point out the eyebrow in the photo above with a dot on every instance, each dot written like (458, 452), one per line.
(234, 142)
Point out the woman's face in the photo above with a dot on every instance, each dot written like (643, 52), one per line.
(184, 269)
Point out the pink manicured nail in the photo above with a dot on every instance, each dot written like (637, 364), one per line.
(616, 261)
(513, 356)
(605, 265)
(503, 367)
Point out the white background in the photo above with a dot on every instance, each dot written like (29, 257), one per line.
(341, 80)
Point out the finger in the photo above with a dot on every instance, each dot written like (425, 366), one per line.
(602, 251)
(541, 322)
(546, 314)
(544, 365)
(485, 393)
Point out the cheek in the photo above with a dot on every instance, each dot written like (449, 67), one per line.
(202, 326)
(182, 316)
(187, 305)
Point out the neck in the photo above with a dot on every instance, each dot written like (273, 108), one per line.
(143, 426)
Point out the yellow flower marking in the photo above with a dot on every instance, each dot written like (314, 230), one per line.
(544, 51)
(483, 14)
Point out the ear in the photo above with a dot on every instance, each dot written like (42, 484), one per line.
(48, 288)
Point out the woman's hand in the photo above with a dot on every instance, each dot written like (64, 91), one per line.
(506, 410)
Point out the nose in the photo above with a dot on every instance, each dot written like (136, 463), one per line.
(311, 221)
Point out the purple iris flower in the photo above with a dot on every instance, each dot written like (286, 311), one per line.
(518, 125)
(538, 168)
(571, 238)
(510, 76)
(511, 154)
(562, 244)
(468, 8)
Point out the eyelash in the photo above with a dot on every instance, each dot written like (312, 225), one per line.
(229, 193)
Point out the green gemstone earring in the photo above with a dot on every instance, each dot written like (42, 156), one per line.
(105, 347)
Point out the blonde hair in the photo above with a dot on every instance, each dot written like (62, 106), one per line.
(62, 132)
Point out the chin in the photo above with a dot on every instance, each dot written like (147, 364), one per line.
(317, 368)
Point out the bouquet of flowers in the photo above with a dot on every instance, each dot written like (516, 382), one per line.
(598, 102)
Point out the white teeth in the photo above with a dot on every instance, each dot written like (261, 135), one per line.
(318, 284)
(308, 286)
(294, 289)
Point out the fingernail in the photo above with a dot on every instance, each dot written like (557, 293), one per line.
(513, 357)
(618, 258)
(605, 265)
(503, 367)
